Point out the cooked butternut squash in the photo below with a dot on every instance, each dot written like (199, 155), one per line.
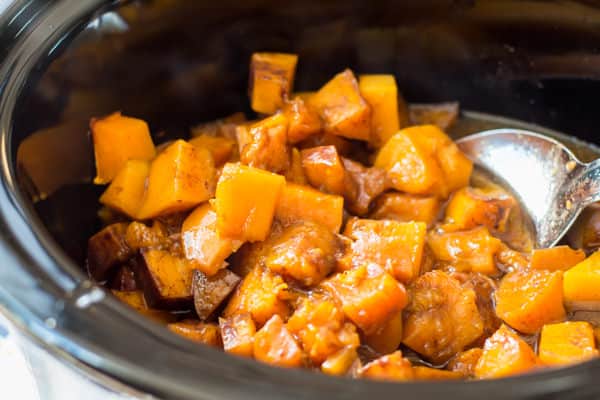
(392, 367)
(303, 120)
(274, 344)
(342, 108)
(567, 343)
(263, 144)
(465, 362)
(340, 362)
(527, 300)
(434, 374)
(381, 93)
(126, 192)
(135, 299)
(295, 172)
(221, 148)
(237, 332)
(118, 139)
(181, 177)
(388, 338)
(271, 80)
(469, 208)
(406, 207)
(210, 291)
(581, 283)
(505, 354)
(107, 250)
(324, 169)
(245, 202)
(200, 332)
(364, 186)
(559, 258)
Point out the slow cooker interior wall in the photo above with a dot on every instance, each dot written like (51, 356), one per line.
(187, 62)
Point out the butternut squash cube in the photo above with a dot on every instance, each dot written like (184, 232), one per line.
(388, 338)
(196, 331)
(581, 283)
(126, 192)
(527, 300)
(211, 291)
(295, 172)
(181, 177)
(245, 202)
(381, 93)
(135, 300)
(403, 207)
(107, 250)
(271, 80)
(435, 374)
(559, 258)
(340, 362)
(302, 203)
(391, 367)
(221, 148)
(465, 362)
(117, 139)
(342, 108)
(203, 243)
(470, 207)
(303, 120)
(324, 169)
(237, 332)
(505, 354)
(363, 185)
(263, 144)
(567, 343)
(275, 345)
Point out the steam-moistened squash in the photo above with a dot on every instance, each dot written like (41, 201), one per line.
(381, 93)
(118, 139)
(406, 207)
(581, 284)
(245, 202)
(271, 80)
(342, 108)
(559, 258)
(126, 192)
(567, 343)
(181, 177)
(275, 345)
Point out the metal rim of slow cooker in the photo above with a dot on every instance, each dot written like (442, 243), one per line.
(48, 296)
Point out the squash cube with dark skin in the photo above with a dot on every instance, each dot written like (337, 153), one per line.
(237, 333)
(368, 184)
(210, 291)
(107, 250)
(123, 280)
(324, 170)
(271, 80)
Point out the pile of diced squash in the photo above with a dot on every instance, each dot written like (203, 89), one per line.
(337, 231)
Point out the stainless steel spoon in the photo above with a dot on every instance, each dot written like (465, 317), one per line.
(550, 183)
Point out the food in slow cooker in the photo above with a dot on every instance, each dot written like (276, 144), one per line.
(339, 230)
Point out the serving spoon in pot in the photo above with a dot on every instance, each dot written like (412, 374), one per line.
(550, 183)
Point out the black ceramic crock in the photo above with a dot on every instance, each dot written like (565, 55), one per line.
(176, 63)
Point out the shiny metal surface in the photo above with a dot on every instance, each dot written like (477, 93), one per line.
(552, 185)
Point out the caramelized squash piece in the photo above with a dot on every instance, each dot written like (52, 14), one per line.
(388, 338)
(394, 246)
(465, 362)
(123, 280)
(381, 93)
(264, 144)
(305, 252)
(470, 207)
(391, 367)
(107, 250)
(368, 184)
(340, 362)
(295, 172)
(368, 297)
(275, 345)
(559, 258)
(406, 207)
(342, 108)
(435, 374)
(303, 120)
(181, 177)
(319, 324)
(118, 139)
(442, 115)
(210, 291)
(271, 80)
(467, 251)
(126, 192)
(237, 332)
(200, 332)
(203, 243)
(505, 354)
(221, 148)
(324, 169)
(245, 202)
(527, 300)
(135, 299)
(302, 203)
(343, 146)
(424, 160)
(581, 284)
(261, 293)
(442, 317)
(139, 236)
(567, 343)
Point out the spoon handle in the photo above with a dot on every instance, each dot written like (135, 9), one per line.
(585, 187)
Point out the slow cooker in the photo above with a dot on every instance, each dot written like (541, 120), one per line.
(175, 63)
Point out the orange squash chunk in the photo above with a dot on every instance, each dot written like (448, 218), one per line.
(465, 362)
(302, 203)
(275, 345)
(126, 192)
(271, 80)
(319, 324)
(340, 362)
(391, 367)
(237, 332)
(381, 93)
(324, 169)
(117, 139)
(505, 354)
(295, 172)
(203, 243)
(527, 300)
(305, 252)
(388, 338)
(262, 294)
(470, 207)
(559, 258)
(442, 318)
(581, 283)
(342, 108)
(200, 332)
(263, 144)
(135, 300)
(406, 207)
(467, 251)
(221, 148)
(567, 343)
(368, 184)
(368, 297)
(303, 120)
(245, 202)
(394, 246)
(181, 177)
(435, 374)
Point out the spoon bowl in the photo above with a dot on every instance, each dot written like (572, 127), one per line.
(550, 183)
